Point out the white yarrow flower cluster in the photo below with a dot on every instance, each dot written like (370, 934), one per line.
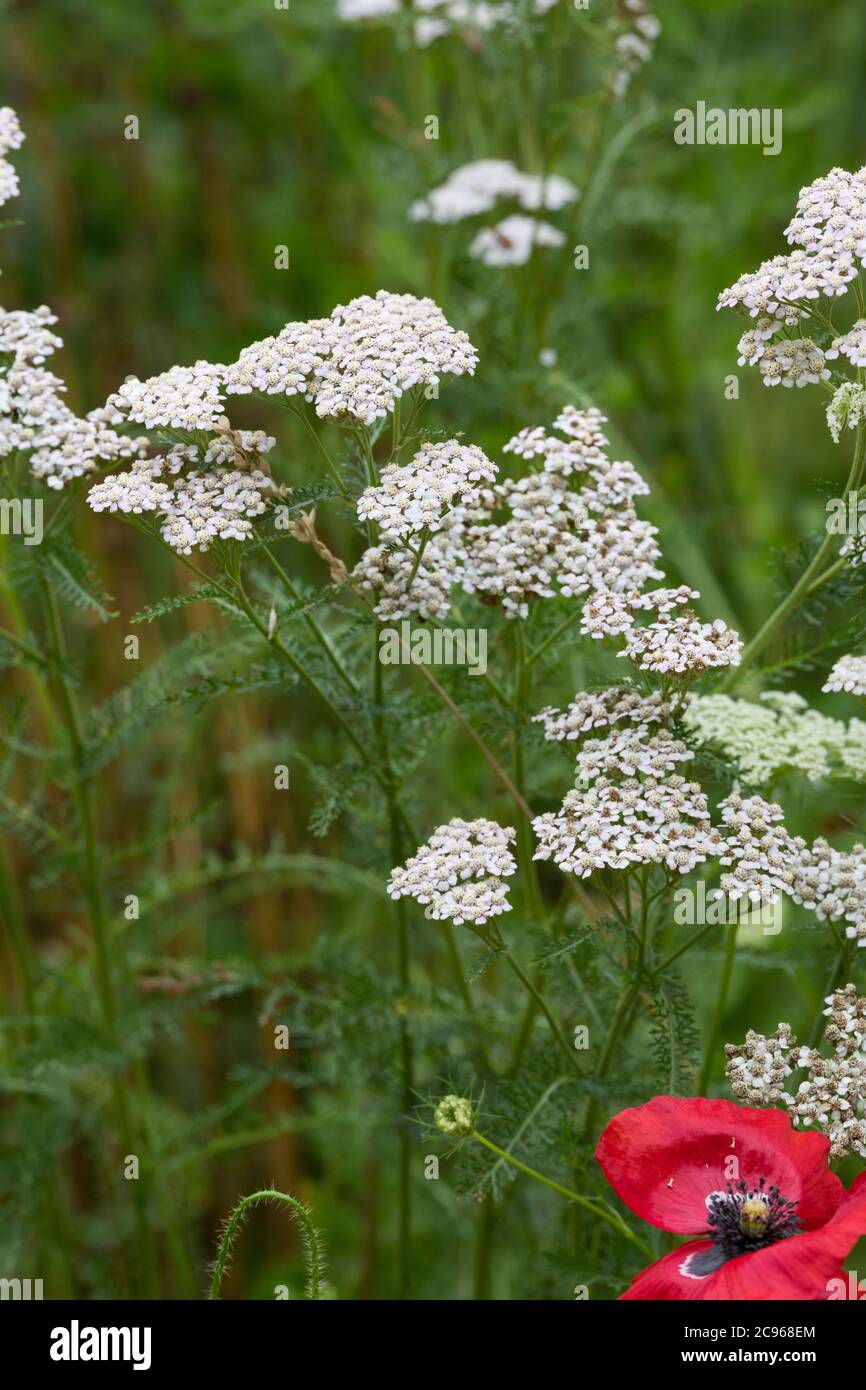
(183, 398)
(832, 1097)
(851, 345)
(458, 874)
(828, 233)
(436, 19)
(197, 507)
(674, 644)
(758, 848)
(411, 497)
(848, 674)
(630, 752)
(792, 362)
(477, 187)
(635, 44)
(846, 409)
(832, 884)
(629, 807)
(599, 709)
(386, 572)
(35, 419)
(618, 824)
(26, 335)
(571, 529)
(11, 138)
(682, 646)
(357, 364)
(512, 241)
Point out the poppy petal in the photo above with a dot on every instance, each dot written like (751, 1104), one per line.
(666, 1157)
(665, 1280)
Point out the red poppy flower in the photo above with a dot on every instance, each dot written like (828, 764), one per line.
(773, 1221)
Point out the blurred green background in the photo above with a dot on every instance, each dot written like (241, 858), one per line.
(261, 127)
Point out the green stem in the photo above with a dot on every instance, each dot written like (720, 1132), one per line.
(805, 584)
(585, 1202)
(314, 1252)
(91, 883)
(719, 1011)
(680, 950)
(311, 624)
(419, 555)
(329, 462)
(404, 1211)
(542, 1004)
(557, 632)
(620, 1019)
(12, 915)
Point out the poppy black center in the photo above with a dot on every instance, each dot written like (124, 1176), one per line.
(744, 1219)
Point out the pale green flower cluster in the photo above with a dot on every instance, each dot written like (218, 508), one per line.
(781, 734)
(454, 1115)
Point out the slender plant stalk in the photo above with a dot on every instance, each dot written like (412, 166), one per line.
(540, 1000)
(620, 1019)
(91, 882)
(404, 1207)
(807, 584)
(314, 1253)
(587, 1203)
(719, 1011)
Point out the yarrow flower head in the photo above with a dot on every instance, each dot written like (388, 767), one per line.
(458, 874)
(183, 398)
(35, 419)
(570, 528)
(828, 233)
(477, 188)
(848, 674)
(779, 1229)
(436, 19)
(635, 43)
(11, 138)
(513, 240)
(412, 497)
(832, 1097)
(196, 504)
(27, 336)
(674, 644)
(758, 848)
(832, 884)
(617, 823)
(357, 364)
(598, 709)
